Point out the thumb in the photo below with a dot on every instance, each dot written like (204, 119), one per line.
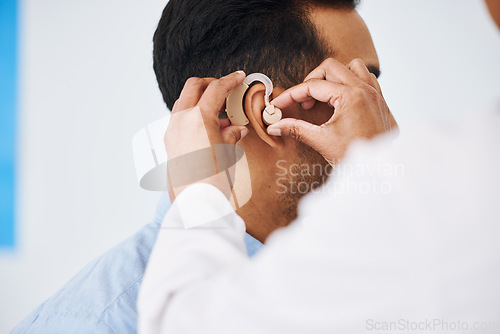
(234, 133)
(297, 129)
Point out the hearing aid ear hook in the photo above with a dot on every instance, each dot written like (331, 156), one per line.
(235, 105)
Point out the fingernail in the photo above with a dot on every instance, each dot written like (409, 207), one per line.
(244, 132)
(274, 132)
(240, 72)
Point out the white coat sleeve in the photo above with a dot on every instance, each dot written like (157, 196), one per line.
(392, 237)
(201, 236)
(200, 280)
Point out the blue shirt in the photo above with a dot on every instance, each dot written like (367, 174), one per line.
(102, 297)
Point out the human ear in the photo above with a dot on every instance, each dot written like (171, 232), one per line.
(254, 107)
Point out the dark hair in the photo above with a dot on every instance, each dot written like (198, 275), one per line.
(211, 38)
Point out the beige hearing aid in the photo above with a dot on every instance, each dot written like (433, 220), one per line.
(235, 100)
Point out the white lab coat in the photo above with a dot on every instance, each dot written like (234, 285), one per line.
(407, 237)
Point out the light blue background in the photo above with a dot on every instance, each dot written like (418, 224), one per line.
(8, 83)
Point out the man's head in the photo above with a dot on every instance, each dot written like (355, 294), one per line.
(284, 40)
(494, 9)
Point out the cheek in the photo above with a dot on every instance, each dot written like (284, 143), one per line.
(318, 115)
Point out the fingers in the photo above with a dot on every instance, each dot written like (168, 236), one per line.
(333, 70)
(309, 104)
(376, 83)
(191, 93)
(329, 68)
(297, 129)
(232, 134)
(393, 125)
(212, 101)
(320, 90)
(224, 123)
(354, 74)
(195, 89)
(358, 67)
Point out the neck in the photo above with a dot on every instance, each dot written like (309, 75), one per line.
(261, 220)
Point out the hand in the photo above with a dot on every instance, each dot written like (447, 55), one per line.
(360, 110)
(195, 133)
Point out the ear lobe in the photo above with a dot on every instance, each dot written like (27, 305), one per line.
(254, 106)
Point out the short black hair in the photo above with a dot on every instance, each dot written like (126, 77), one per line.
(211, 38)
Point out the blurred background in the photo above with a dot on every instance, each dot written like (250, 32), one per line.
(76, 83)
